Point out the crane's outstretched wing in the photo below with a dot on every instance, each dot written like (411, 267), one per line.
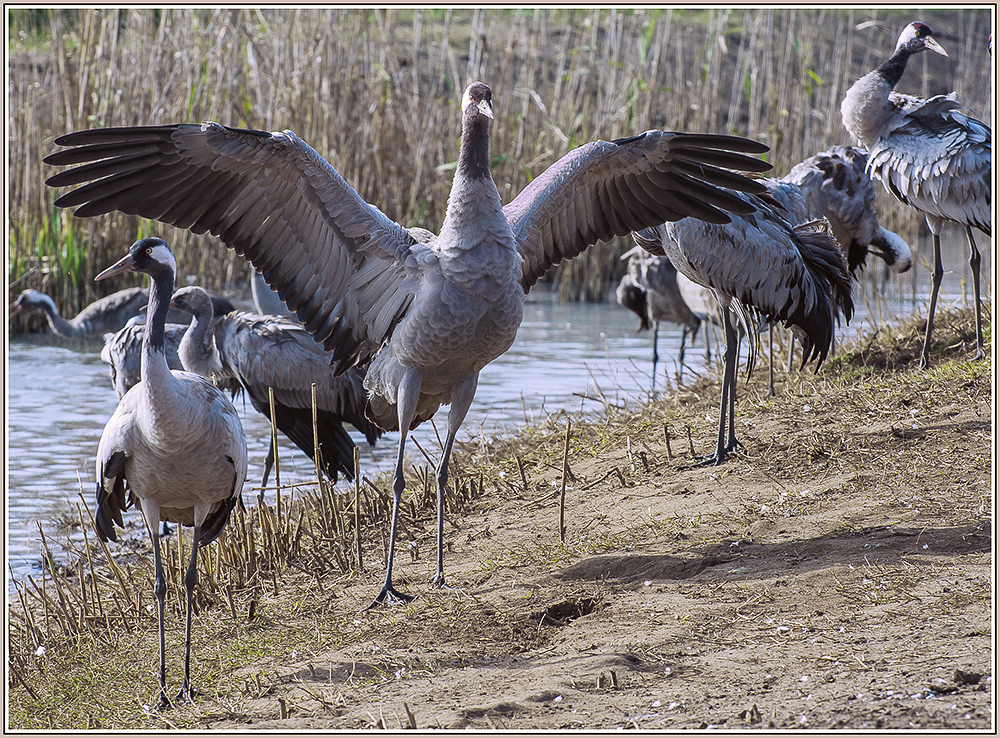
(605, 189)
(269, 197)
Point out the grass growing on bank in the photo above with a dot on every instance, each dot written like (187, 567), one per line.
(281, 587)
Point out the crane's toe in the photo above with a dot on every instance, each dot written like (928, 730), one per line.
(438, 581)
(187, 694)
(713, 460)
(162, 704)
(390, 596)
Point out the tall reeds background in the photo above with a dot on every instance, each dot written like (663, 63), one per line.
(376, 92)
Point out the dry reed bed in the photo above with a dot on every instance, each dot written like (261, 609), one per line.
(376, 91)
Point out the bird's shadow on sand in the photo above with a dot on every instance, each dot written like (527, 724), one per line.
(761, 560)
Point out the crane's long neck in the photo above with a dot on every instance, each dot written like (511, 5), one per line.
(866, 109)
(155, 372)
(891, 70)
(474, 153)
(474, 198)
(197, 350)
(59, 325)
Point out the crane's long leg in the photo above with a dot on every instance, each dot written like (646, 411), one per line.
(656, 355)
(406, 406)
(190, 580)
(770, 359)
(974, 259)
(732, 444)
(935, 286)
(461, 401)
(151, 512)
(728, 402)
(268, 465)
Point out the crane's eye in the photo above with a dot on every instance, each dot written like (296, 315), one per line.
(149, 251)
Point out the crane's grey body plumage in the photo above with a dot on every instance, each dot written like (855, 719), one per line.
(252, 353)
(427, 313)
(836, 185)
(174, 444)
(930, 154)
(759, 266)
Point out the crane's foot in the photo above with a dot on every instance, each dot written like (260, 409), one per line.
(187, 694)
(390, 596)
(162, 704)
(438, 581)
(715, 459)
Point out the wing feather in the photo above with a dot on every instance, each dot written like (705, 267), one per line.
(628, 184)
(315, 231)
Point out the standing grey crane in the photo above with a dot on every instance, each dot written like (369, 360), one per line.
(649, 289)
(760, 267)
(832, 184)
(429, 312)
(106, 315)
(257, 352)
(175, 443)
(928, 154)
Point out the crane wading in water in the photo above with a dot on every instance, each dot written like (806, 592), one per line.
(428, 312)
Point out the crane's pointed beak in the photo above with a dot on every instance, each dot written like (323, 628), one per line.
(486, 108)
(934, 46)
(124, 265)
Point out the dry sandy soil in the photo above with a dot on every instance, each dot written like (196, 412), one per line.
(836, 574)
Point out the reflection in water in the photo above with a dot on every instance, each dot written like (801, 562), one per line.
(569, 357)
